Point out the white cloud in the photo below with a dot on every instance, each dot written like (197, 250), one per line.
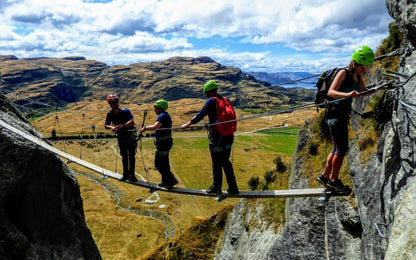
(158, 29)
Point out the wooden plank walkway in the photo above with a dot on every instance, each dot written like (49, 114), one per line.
(292, 193)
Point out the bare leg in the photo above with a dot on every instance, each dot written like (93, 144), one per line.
(328, 166)
(336, 166)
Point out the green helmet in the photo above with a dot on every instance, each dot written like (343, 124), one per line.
(363, 55)
(210, 85)
(162, 104)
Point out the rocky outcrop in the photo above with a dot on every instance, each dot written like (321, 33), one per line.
(404, 13)
(41, 214)
(245, 237)
(377, 223)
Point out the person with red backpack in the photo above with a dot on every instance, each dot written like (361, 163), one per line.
(121, 121)
(220, 137)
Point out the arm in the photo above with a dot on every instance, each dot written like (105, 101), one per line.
(129, 123)
(336, 84)
(118, 127)
(198, 117)
(107, 124)
(186, 125)
(155, 126)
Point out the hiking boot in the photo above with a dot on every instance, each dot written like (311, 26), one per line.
(322, 180)
(133, 178)
(213, 189)
(233, 191)
(338, 186)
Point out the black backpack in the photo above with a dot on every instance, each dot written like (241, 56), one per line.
(323, 84)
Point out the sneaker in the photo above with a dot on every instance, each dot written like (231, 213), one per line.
(213, 189)
(322, 180)
(338, 186)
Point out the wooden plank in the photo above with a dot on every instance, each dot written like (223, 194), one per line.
(292, 193)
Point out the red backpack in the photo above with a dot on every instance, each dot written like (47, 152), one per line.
(225, 113)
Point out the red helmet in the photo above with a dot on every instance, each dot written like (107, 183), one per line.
(111, 98)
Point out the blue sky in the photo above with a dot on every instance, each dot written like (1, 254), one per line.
(261, 35)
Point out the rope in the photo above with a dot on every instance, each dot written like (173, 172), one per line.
(139, 139)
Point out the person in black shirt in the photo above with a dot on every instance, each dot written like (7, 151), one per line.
(348, 83)
(163, 143)
(121, 121)
(219, 146)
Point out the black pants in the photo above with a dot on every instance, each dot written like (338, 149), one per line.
(337, 120)
(128, 145)
(220, 149)
(162, 164)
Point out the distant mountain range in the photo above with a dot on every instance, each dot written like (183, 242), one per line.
(283, 77)
(34, 82)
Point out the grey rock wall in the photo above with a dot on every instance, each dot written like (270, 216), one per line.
(316, 229)
(248, 236)
(41, 214)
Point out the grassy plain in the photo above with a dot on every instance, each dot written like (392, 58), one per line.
(123, 225)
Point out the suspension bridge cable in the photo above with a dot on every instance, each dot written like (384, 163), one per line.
(256, 90)
(408, 105)
(291, 109)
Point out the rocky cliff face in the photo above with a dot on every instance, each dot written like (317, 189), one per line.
(51, 81)
(383, 203)
(41, 214)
